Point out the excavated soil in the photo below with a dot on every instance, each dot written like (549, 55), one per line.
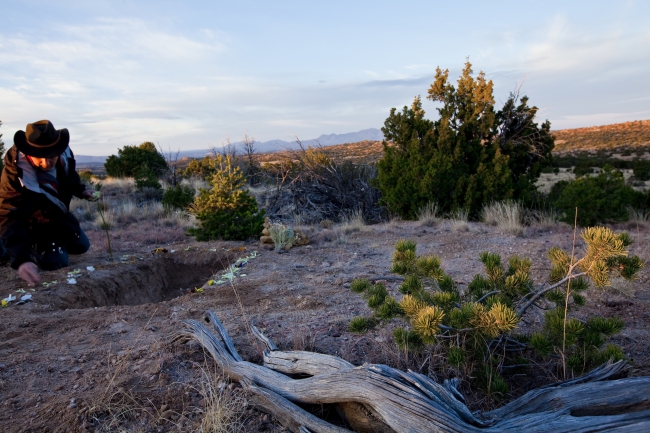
(95, 355)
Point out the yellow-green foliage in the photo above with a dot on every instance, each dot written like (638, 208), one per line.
(470, 325)
(227, 211)
(426, 322)
(411, 305)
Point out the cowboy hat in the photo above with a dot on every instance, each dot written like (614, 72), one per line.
(41, 140)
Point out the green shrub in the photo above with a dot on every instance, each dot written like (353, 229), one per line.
(583, 169)
(472, 155)
(227, 211)
(641, 169)
(146, 177)
(600, 199)
(131, 159)
(178, 197)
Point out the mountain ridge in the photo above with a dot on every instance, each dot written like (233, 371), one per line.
(369, 134)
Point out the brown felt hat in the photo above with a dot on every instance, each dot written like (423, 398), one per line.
(41, 140)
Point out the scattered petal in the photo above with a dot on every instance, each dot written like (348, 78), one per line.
(172, 251)
(26, 298)
(90, 268)
(72, 281)
(9, 298)
(20, 291)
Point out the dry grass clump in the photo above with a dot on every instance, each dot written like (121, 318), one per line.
(459, 220)
(84, 210)
(106, 222)
(117, 185)
(223, 410)
(546, 218)
(195, 183)
(428, 215)
(639, 217)
(326, 224)
(508, 216)
(179, 218)
(352, 222)
(123, 213)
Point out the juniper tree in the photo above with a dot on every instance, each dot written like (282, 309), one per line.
(132, 159)
(471, 155)
(476, 326)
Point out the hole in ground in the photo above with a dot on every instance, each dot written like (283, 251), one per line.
(158, 279)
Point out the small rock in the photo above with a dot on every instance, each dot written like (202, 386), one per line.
(72, 403)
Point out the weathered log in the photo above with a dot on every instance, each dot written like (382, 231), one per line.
(411, 402)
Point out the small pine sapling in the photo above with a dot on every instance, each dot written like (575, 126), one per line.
(226, 211)
(475, 326)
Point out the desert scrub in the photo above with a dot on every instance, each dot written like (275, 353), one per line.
(600, 199)
(178, 197)
(475, 327)
(459, 220)
(227, 211)
(428, 214)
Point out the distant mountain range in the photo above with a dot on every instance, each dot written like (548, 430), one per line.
(372, 134)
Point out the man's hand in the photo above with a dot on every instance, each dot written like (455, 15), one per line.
(90, 195)
(28, 271)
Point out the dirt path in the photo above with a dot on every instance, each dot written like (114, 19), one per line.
(94, 356)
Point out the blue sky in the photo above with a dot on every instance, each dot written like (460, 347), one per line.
(191, 74)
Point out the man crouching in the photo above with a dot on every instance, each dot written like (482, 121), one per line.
(37, 184)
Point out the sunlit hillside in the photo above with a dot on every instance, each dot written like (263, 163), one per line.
(616, 137)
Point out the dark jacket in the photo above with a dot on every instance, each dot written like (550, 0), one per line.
(27, 211)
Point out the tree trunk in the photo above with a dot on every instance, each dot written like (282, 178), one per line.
(377, 398)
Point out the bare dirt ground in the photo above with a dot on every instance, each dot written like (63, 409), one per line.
(95, 355)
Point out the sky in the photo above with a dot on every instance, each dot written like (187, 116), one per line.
(193, 74)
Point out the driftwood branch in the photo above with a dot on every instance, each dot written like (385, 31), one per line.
(387, 399)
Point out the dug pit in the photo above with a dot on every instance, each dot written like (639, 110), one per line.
(136, 281)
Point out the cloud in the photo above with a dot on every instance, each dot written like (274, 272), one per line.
(400, 82)
(567, 47)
